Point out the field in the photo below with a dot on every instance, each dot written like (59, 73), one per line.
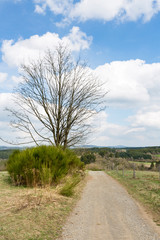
(145, 188)
(146, 164)
(32, 213)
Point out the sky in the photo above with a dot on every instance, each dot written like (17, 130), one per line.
(120, 40)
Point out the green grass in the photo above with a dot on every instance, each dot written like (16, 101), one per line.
(147, 164)
(145, 188)
(32, 213)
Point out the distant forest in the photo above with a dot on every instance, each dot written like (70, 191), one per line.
(146, 153)
(4, 154)
(128, 153)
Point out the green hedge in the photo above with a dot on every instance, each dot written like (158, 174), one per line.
(41, 165)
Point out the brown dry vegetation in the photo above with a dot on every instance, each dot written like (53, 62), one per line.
(32, 213)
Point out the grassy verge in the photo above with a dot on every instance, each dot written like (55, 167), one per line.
(145, 188)
(33, 213)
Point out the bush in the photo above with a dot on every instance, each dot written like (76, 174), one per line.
(44, 165)
(88, 158)
(102, 152)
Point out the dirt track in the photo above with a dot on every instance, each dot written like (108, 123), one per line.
(107, 212)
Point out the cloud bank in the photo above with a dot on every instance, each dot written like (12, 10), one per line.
(123, 10)
(131, 83)
(15, 53)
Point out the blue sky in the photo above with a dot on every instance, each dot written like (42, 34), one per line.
(119, 39)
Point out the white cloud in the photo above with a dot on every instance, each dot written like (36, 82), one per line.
(131, 83)
(142, 130)
(40, 9)
(134, 85)
(146, 118)
(3, 77)
(6, 99)
(93, 9)
(135, 130)
(104, 132)
(106, 10)
(8, 133)
(15, 53)
(56, 6)
(77, 39)
(144, 8)
(16, 79)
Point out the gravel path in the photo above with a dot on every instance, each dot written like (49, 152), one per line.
(107, 212)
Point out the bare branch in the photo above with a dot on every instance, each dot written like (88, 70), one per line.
(59, 95)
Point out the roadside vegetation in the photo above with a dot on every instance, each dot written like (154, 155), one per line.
(38, 191)
(42, 166)
(34, 213)
(145, 187)
(43, 184)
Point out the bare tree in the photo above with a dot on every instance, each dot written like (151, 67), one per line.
(55, 100)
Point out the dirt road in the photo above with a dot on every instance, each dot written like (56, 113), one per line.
(107, 212)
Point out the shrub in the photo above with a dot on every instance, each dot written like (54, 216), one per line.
(43, 165)
(102, 152)
(88, 158)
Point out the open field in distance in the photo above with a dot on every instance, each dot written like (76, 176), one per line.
(146, 164)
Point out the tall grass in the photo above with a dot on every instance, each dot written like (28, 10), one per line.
(43, 165)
